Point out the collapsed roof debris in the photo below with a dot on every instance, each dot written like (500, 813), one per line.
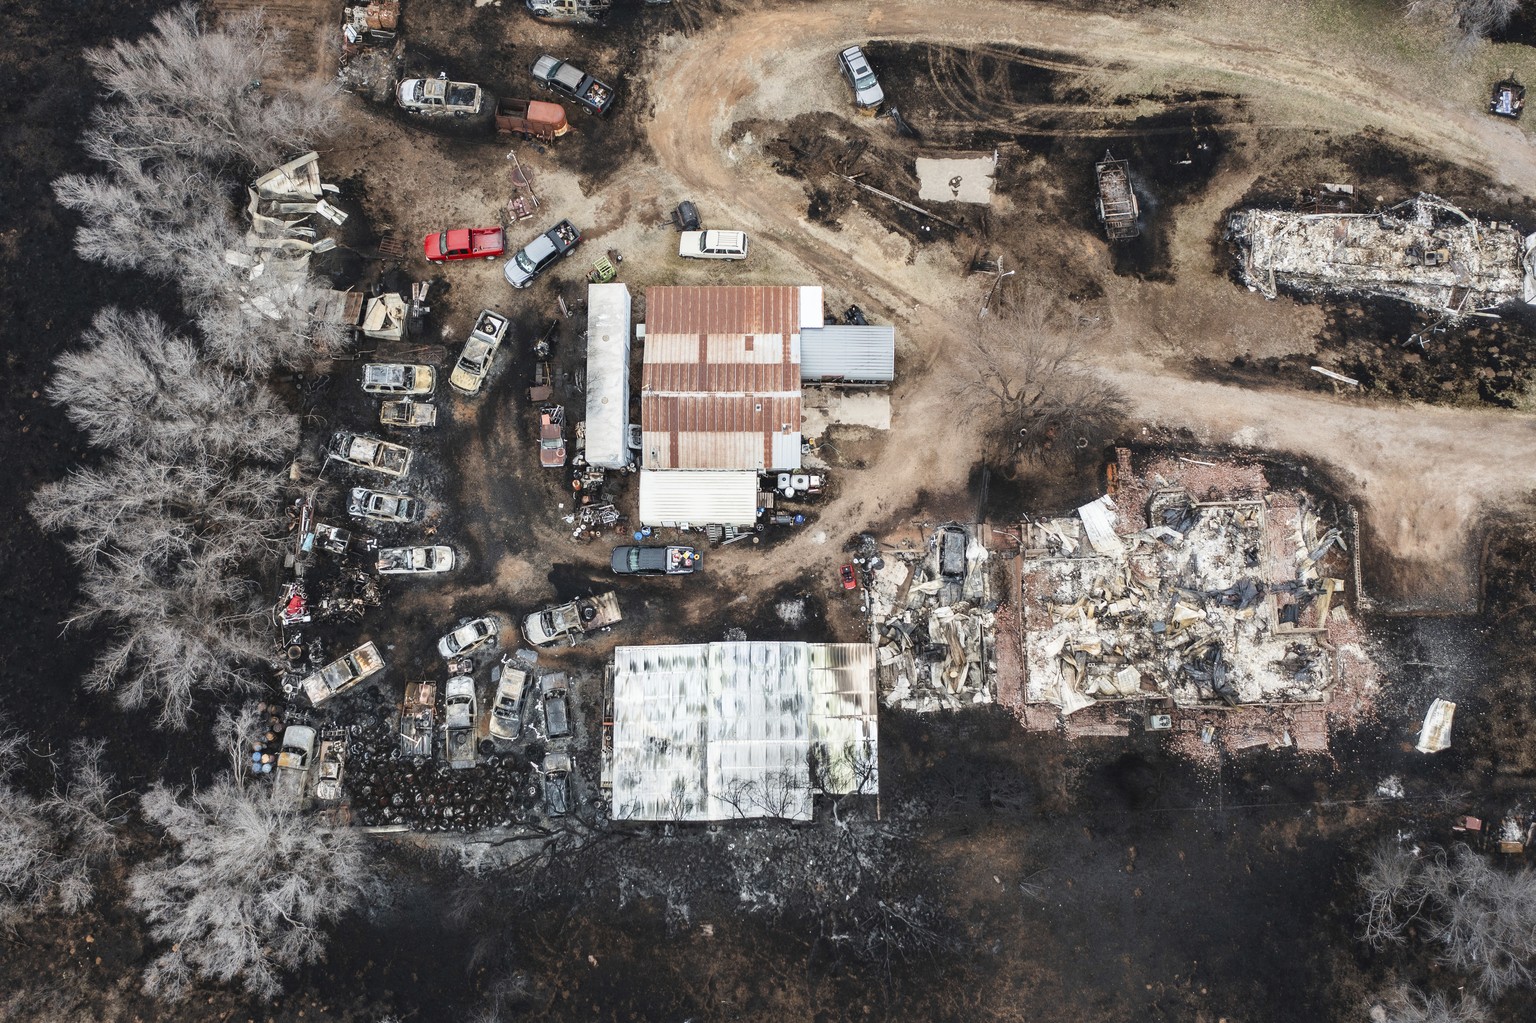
(279, 242)
(1192, 590)
(1424, 251)
(934, 618)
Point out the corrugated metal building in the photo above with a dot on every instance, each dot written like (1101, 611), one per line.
(846, 353)
(718, 731)
(698, 497)
(608, 326)
(720, 388)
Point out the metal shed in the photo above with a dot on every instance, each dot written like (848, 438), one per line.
(839, 353)
(608, 333)
(697, 497)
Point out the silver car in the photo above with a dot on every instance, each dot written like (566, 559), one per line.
(867, 94)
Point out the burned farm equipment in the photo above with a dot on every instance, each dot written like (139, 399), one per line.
(1508, 99)
(1118, 210)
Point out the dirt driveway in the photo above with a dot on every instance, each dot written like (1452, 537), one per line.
(1423, 475)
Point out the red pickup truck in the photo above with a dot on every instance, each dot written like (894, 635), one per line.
(466, 243)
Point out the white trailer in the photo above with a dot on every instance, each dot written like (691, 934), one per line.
(608, 334)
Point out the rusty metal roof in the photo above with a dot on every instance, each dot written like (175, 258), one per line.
(707, 310)
(720, 388)
(717, 431)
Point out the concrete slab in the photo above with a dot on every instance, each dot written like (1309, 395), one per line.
(964, 178)
(824, 406)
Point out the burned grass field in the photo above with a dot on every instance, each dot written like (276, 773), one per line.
(997, 874)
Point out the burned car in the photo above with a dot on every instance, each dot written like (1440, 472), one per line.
(294, 757)
(468, 636)
(557, 783)
(415, 560)
(407, 414)
(379, 506)
(507, 708)
(475, 361)
(370, 453)
(418, 719)
(343, 673)
(459, 722)
(332, 764)
(398, 378)
(557, 711)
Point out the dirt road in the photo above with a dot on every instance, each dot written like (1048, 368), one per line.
(1424, 475)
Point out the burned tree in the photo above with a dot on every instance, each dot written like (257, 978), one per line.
(1028, 380)
(1481, 922)
(247, 888)
(138, 386)
(52, 848)
(1469, 20)
(1410, 1005)
(164, 548)
(190, 90)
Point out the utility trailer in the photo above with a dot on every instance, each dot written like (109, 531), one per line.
(1118, 210)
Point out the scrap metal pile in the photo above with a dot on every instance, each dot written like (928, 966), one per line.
(933, 618)
(1424, 251)
(1196, 585)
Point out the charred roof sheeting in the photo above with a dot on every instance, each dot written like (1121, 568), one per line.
(720, 731)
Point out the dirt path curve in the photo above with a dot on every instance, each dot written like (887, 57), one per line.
(1424, 474)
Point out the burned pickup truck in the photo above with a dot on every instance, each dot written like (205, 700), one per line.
(558, 76)
(439, 96)
(572, 619)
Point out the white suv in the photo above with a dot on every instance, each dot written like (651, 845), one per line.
(867, 94)
(712, 245)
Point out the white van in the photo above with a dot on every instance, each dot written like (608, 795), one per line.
(712, 245)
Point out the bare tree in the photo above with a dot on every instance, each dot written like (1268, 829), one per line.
(1483, 920)
(194, 91)
(193, 628)
(52, 848)
(163, 549)
(1030, 383)
(137, 385)
(255, 326)
(1479, 921)
(1394, 895)
(1409, 1005)
(166, 219)
(142, 509)
(247, 889)
(1470, 20)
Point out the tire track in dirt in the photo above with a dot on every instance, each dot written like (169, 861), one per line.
(1424, 475)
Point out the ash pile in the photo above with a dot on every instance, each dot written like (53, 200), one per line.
(1192, 589)
(1425, 251)
(933, 617)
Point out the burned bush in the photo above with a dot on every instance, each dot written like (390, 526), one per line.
(1480, 922)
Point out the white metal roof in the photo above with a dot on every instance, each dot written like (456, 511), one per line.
(608, 326)
(848, 352)
(698, 497)
(717, 731)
